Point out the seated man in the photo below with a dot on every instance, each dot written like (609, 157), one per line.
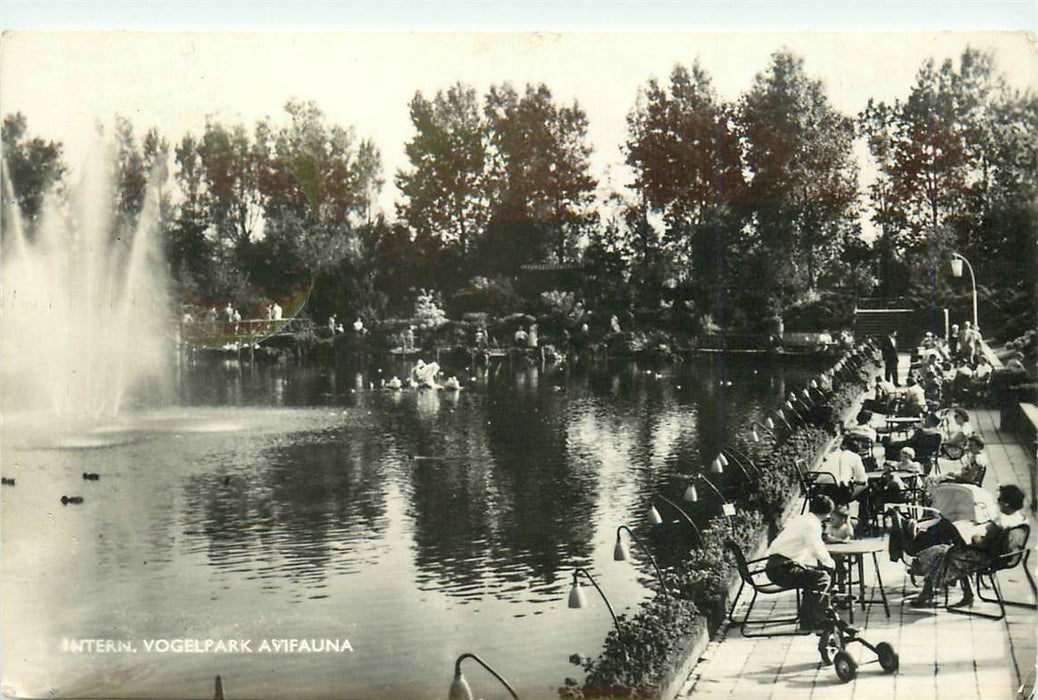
(848, 471)
(798, 559)
(944, 564)
(862, 428)
(884, 398)
(913, 402)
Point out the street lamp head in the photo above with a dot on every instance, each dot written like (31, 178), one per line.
(814, 383)
(956, 267)
(722, 459)
(769, 424)
(716, 467)
(577, 599)
(460, 689)
(654, 516)
(754, 435)
(691, 495)
(620, 552)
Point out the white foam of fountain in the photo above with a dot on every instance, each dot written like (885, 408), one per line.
(84, 321)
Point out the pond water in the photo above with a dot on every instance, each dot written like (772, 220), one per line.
(288, 502)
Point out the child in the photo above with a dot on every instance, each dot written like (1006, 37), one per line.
(839, 528)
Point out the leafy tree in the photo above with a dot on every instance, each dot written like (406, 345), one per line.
(957, 169)
(687, 163)
(32, 166)
(318, 183)
(539, 181)
(444, 190)
(803, 178)
(230, 169)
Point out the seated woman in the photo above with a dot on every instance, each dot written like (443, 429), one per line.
(944, 564)
(974, 467)
(924, 442)
(898, 478)
(960, 429)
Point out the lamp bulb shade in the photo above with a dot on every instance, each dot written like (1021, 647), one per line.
(956, 267)
(814, 384)
(716, 467)
(577, 599)
(805, 394)
(754, 434)
(691, 495)
(769, 424)
(722, 459)
(620, 552)
(460, 689)
(654, 516)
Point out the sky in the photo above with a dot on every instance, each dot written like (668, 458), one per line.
(66, 82)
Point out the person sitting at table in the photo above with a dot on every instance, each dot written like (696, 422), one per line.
(898, 477)
(960, 430)
(913, 401)
(839, 527)
(923, 441)
(943, 564)
(974, 467)
(849, 478)
(884, 398)
(797, 558)
(862, 427)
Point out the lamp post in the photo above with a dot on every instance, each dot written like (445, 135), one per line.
(620, 553)
(577, 599)
(460, 687)
(956, 266)
(655, 519)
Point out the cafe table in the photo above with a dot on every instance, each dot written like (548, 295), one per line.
(850, 559)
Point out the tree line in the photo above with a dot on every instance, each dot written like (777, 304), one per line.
(739, 212)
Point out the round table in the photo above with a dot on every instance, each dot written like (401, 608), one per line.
(853, 553)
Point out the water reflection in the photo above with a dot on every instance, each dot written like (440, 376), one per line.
(294, 500)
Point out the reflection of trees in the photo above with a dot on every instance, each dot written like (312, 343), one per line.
(547, 498)
(315, 503)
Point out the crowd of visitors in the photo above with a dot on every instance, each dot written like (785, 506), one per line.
(870, 470)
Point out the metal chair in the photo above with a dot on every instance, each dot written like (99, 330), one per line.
(753, 575)
(812, 483)
(1016, 539)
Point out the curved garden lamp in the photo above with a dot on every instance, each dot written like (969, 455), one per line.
(692, 495)
(755, 425)
(956, 266)
(741, 459)
(460, 687)
(655, 519)
(620, 553)
(789, 407)
(577, 599)
(782, 417)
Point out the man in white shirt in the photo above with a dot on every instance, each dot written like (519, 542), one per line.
(914, 400)
(798, 559)
(848, 472)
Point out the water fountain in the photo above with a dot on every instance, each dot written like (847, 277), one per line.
(84, 324)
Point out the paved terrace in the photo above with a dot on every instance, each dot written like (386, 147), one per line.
(943, 655)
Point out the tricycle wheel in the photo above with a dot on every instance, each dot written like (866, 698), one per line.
(887, 658)
(829, 645)
(846, 668)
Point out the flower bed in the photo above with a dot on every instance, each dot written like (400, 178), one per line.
(663, 635)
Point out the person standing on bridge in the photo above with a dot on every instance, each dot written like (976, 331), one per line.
(889, 350)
